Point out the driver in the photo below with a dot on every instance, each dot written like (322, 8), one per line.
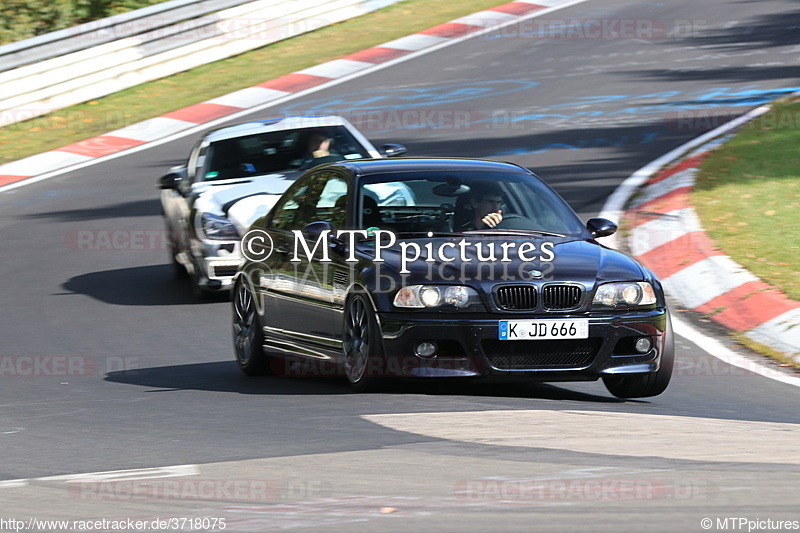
(318, 152)
(485, 200)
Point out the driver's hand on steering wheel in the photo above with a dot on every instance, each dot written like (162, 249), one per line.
(493, 219)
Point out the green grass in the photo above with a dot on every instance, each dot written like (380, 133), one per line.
(748, 197)
(782, 360)
(215, 79)
(23, 19)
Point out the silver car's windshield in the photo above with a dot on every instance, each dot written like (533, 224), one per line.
(279, 151)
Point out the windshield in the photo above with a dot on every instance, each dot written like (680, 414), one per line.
(279, 151)
(458, 202)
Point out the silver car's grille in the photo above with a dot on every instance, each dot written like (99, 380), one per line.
(225, 271)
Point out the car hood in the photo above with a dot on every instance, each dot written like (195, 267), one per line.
(242, 200)
(574, 260)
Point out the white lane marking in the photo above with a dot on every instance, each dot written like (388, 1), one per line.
(716, 349)
(111, 475)
(46, 160)
(485, 19)
(13, 483)
(782, 332)
(336, 68)
(546, 3)
(615, 204)
(249, 97)
(152, 129)
(678, 180)
(129, 475)
(245, 112)
(414, 42)
(611, 433)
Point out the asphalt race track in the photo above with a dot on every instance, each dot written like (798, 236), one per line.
(129, 371)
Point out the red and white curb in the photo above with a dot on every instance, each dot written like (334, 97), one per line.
(666, 236)
(186, 121)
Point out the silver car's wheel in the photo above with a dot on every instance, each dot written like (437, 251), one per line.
(248, 337)
(178, 270)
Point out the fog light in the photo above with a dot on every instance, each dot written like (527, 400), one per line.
(425, 349)
(643, 344)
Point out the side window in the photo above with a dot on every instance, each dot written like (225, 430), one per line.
(332, 204)
(320, 197)
(286, 212)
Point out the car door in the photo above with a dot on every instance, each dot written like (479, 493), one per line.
(299, 289)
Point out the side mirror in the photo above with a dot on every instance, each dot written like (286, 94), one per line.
(171, 180)
(393, 150)
(600, 227)
(315, 229)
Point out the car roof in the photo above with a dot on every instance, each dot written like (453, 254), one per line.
(273, 124)
(365, 167)
(413, 164)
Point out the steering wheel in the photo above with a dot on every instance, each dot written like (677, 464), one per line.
(514, 221)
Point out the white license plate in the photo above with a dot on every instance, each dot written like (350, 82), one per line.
(530, 330)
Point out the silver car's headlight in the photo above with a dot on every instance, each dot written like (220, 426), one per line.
(218, 228)
(432, 296)
(633, 293)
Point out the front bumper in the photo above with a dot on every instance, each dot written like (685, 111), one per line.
(470, 347)
(216, 264)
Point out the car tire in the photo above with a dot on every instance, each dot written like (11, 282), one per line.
(248, 336)
(197, 290)
(361, 344)
(646, 385)
(178, 270)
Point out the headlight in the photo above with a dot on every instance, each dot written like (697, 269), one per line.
(431, 296)
(634, 293)
(217, 228)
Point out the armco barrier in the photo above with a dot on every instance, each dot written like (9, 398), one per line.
(75, 65)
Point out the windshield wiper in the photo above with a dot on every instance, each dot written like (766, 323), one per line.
(520, 232)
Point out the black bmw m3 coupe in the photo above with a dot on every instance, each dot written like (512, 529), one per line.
(445, 268)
